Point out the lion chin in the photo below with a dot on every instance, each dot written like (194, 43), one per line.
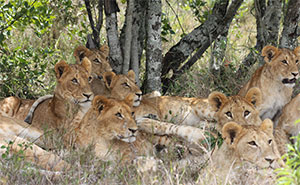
(129, 139)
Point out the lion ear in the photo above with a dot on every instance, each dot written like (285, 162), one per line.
(267, 126)
(108, 77)
(86, 63)
(104, 50)
(268, 52)
(99, 102)
(230, 132)
(131, 75)
(216, 100)
(254, 96)
(129, 100)
(60, 68)
(80, 52)
(297, 51)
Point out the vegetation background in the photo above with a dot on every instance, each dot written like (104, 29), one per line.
(35, 34)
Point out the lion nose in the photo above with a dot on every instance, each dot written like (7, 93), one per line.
(269, 160)
(87, 95)
(132, 130)
(139, 94)
(295, 74)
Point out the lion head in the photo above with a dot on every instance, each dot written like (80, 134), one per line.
(98, 57)
(111, 119)
(122, 85)
(282, 63)
(73, 82)
(254, 144)
(236, 108)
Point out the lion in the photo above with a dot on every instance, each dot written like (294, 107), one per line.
(236, 108)
(288, 124)
(245, 145)
(18, 137)
(178, 110)
(100, 65)
(110, 125)
(72, 93)
(276, 79)
(117, 86)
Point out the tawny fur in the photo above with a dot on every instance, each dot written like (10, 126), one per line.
(243, 145)
(239, 109)
(276, 79)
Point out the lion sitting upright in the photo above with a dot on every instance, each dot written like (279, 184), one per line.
(276, 79)
(72, 94)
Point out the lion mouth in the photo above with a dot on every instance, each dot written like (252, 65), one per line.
(289, 81)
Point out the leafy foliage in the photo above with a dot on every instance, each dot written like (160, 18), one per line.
(291, 173)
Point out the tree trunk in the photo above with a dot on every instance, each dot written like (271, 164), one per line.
(128, 36)
(267, 27)
(200, 38)
(291, 30)
(153, 46)
(115, 52)
(138, 36)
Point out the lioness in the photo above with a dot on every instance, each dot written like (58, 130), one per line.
(245, 145)
(239, 109)
(179, 110)
(100, 65)
(110, 126)
(72, 92)
(276, 79)
(117, 86)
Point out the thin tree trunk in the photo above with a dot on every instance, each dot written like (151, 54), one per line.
(291, 30)
(267, 26)
(153, 46)
(115, 52)
(200, 38)
(138, 36)
(128, 36)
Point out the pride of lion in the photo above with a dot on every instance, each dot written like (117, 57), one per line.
(106, 110)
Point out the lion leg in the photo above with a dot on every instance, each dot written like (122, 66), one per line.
(189, 133)
(34, 153)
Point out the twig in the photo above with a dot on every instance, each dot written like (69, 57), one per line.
(177, 18)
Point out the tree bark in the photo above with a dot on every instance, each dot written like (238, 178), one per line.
(200, 38)
(115, 52)
(138, 36)
(93, 41)
(291, 30)
(128, 36)
(153, 46)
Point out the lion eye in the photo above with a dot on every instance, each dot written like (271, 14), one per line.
(90, 79)
(125, 84)
(270, 141)
(75, 81)
(285, 62)
(97, 60)
(132, 114)
(246, 113)
(119, 115)
(252, 143)
(228, 114)
(297, 61)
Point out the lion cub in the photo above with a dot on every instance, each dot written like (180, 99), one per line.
(276, 79)
(72, 93)
(245, 148)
